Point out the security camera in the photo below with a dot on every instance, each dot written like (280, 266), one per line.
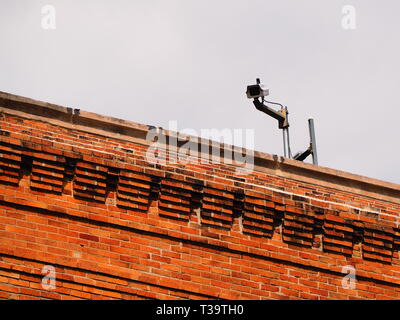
(257, 91)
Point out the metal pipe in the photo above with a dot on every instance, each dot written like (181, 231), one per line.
(288, 143)
(284, 143)
(313, 141)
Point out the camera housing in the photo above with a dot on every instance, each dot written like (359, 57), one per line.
(257, 91)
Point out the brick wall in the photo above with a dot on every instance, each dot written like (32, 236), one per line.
(77, 193)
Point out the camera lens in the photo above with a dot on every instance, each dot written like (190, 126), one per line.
(254, 90)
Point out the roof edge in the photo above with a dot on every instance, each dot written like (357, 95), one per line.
(132, 131)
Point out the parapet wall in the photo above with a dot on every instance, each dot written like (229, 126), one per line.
(77, 193)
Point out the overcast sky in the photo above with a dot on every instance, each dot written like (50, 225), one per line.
(152, 61)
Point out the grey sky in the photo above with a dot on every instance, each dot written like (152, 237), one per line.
(151, 61)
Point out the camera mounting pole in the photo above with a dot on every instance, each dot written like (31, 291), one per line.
(281, 115)
(258, 93)
(283, 121)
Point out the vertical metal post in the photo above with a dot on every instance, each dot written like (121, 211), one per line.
(284, 142)
(313, 141)
(288, 143)
(286, 129)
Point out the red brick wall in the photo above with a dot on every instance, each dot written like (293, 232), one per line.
(116, 227)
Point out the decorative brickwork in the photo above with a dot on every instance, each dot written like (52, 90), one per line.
(115, 226)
